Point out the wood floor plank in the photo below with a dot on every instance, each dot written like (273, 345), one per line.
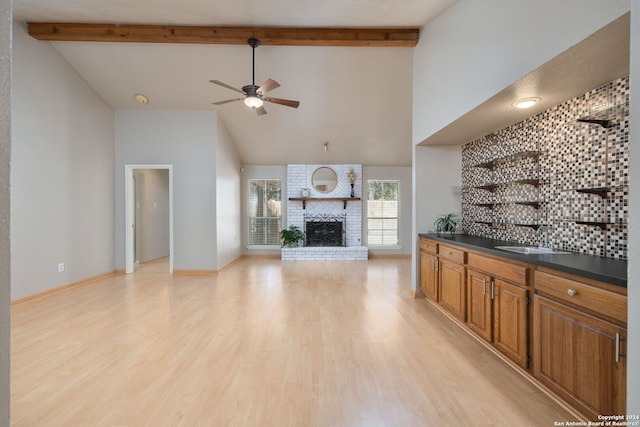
(262, 343)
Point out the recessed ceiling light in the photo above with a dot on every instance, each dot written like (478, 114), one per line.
(526, 102)
(141, 98)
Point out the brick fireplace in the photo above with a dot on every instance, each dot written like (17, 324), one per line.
(333, 228)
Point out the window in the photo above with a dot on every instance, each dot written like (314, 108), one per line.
(382, 213)
(265, 212)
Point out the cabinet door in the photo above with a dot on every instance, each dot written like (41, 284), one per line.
(580, 357)
(479, 305)
(428, 275)
(452, 288)
(511, 326)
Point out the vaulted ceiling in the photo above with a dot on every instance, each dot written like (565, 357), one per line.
(358, 99)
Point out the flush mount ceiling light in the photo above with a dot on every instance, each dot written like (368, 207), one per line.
(526, 102)
(141, 98)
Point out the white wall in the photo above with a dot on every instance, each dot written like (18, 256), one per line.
(154, 206)
(5, 219)
(62, 172)
(477, 48)
(228, 212)
(633, 286)
(402, 174)
(185, 139)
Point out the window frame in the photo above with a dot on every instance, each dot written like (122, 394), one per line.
(249, 217)
(397, 217)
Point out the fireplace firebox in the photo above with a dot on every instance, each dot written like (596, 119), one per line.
(325, 230)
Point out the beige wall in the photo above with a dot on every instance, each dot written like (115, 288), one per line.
(5, 244)
(437, 183)
(62, 184)
(633, 349)
(228, 221)
(186, 140)
(448, 83)
(475, 49)
(153, 204)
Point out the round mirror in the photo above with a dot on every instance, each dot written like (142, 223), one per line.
(324, 179)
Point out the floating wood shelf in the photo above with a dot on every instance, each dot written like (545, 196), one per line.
(491, 205)
(493, 187)
(600, 225)
(498, 224)
(304, 200)
(491, 164)
(605, 118)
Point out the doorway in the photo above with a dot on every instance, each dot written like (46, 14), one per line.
(149, 218)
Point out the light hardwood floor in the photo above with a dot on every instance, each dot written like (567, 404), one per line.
(160, 265)
(263, 343)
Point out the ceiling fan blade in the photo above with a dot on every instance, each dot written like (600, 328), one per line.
(226, 101)
(287, 102)
(261, 111)
(268, 85)
(219, 83)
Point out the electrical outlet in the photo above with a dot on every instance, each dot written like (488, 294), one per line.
(61, 267)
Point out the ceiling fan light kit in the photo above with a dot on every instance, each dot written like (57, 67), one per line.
(253, 102)
(254, 95)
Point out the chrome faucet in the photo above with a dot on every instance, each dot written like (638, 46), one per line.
(545, 237)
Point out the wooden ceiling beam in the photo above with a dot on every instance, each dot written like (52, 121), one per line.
(357, 37)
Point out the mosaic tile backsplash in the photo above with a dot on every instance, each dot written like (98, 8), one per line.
(559, 178)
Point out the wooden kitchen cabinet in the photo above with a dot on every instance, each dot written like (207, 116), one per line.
(580, 342)
(580, 357)
(479, 304)
(429, 269)
(578, 324)
(452, 289)
(429, 275)
(511, 325)
(497, 311)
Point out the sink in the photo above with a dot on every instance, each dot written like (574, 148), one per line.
(533, 250)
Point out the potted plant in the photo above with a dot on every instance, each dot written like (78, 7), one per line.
(290, 237)
(446, 223)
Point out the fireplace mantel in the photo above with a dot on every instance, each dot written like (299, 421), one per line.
(304, 200)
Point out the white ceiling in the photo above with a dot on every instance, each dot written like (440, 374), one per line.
(358, 100)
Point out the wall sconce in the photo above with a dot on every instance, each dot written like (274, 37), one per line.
(325, 146)
(352, 179)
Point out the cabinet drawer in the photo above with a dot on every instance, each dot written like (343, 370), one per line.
(428, 246)
(516, 274)
(453, 254)
(598, 300)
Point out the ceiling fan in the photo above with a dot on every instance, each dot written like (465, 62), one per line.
(254, 95)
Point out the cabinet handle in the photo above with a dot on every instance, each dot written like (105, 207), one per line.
(493, 289)
(437, 265)
(572, 292)
(617, 347)
(433, 263)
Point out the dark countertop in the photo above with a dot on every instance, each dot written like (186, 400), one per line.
(609, 270)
